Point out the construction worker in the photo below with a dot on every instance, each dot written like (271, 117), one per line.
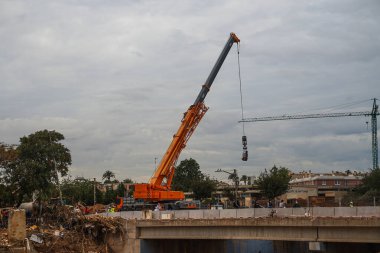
(158, 207)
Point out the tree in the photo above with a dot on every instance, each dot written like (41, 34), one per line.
(234, 177)
(110, 196)
(80, 190)
(203, 189)
(108, 175)
(128, 181)
(41, 157)
(186, 175)
(8, 156)
(275, 182)
(120, 191)
(371, 181)
(244, 179)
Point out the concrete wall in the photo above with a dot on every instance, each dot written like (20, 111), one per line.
(362, 211)
(206, 246)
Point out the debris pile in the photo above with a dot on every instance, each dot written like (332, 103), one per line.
(64, 230)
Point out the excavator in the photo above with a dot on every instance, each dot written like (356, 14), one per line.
(159, 187)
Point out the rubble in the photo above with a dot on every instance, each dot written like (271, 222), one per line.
(63, 230)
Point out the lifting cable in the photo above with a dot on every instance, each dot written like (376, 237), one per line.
(244, 137)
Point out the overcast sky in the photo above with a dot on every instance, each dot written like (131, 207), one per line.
(114, 77)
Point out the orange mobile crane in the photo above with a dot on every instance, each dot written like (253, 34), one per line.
(159, 187)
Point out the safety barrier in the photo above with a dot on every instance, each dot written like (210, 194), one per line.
(360, 211)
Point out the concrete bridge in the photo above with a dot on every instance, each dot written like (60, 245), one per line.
(208, 230)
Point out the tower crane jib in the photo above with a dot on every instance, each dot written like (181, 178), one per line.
(373, 114)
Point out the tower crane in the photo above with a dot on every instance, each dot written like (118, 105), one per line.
(373, 114)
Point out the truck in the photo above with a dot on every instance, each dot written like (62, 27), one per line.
(158, 189)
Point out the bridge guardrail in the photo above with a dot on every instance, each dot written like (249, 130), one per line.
(361, 211)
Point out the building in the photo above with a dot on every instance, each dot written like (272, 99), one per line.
(321, 189)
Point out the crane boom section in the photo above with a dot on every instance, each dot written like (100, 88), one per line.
(210, 79)
(160, 182)
(188, 125)
(373, 114)
(307, 116)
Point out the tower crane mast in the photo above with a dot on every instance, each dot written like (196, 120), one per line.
(373, 114)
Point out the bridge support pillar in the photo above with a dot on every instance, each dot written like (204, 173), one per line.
(132, 244)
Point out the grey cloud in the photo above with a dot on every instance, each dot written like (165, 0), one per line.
(116, 77)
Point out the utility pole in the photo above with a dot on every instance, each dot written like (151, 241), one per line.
(235, 179)
(94, 191)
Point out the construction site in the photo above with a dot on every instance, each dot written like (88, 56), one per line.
(154, 213)
(108, 145)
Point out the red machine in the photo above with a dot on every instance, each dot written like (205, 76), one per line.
(159, 187)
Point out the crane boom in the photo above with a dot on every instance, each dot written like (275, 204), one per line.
(158, 188)
(307, 116)
(373, 114)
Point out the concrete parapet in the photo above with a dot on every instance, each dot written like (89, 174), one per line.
(228, 213)
(326, 229)
(286, 212)
(300, 211)
(262, 212)
(156, 215)
(211, 214)
(245, 213)
(368, 211)
(196, 214)
(322, 211)
(181, 214)
(362, 211)
(345, 211)
(131, 215)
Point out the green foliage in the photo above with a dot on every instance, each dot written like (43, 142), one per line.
(275, 182)
(128, 181)
(108, 175)
(229, 194)
(371, 181)
(6, 196)
(203, 189)
(110, 196)
(188, 177)
(234, 177)
(80, 190)
(186, 174)
(41, 157)
(244, 179)
(8, 157)
(120, 191)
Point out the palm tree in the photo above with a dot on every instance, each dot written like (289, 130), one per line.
(108, 175)
(234, 177)
(244, 178)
